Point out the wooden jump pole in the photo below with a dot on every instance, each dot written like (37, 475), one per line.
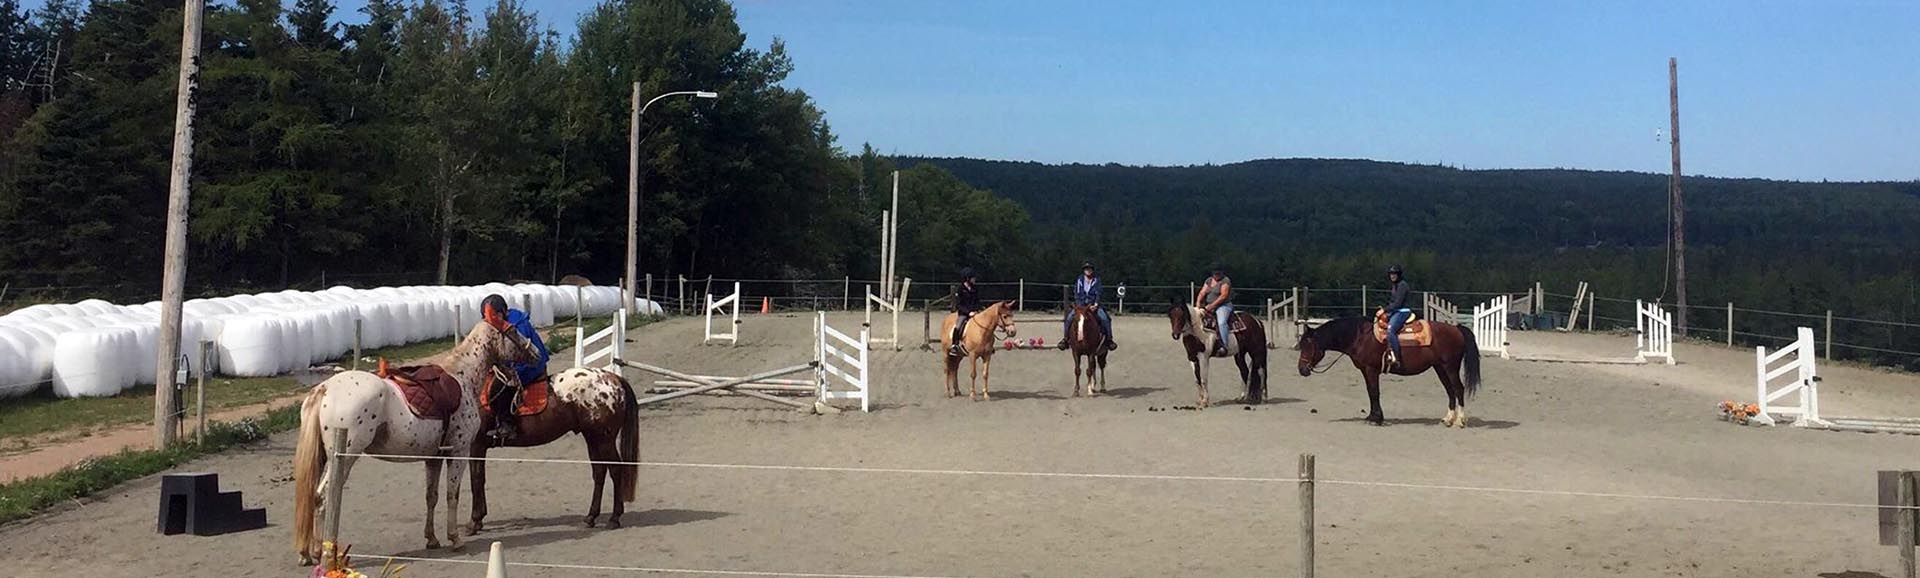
(1306, 516)
(710, 386)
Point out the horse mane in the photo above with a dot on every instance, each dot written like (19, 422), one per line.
(1339, 331)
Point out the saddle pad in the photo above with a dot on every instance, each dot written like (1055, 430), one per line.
(429, 391)
(533, 398)
(1241, 321)
(1416, 332)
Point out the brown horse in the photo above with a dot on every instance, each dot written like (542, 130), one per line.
(1248, 347)
(977, 339)
(1087, 340)
(1453, 347)
(599, 405)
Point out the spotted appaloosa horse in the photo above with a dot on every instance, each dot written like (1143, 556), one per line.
(1453, 348)
(378, 420)
(599, 405)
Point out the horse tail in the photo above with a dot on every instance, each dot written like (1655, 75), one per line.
(627, 474)
(309, 460)
(1472, 360)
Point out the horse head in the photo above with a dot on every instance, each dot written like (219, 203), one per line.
(500, 343)
(1180, 315)
(1003, 318)
(1309, 347)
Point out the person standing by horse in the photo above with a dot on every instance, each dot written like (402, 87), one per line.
(1397, 311)
(1086, 293)
(493, 308)
(966, 302)
(1215, 299)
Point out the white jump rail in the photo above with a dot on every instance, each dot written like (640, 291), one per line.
(889, 306)
(1490, 326)
(615, 335)
(1653, 332)
(842, 368)
(730, 305)
(1804, 382)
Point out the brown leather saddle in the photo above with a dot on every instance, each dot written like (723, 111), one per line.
(1416, 333)
(528, 400)
(430, 392)
(1241, 321)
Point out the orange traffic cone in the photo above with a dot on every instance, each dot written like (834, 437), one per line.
(766, 305)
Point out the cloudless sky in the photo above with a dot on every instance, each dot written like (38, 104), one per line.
(1779, 89)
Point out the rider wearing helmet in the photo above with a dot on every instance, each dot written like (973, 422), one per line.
(1397, 310)
(492, 308)
(1086, 291)
(1214, 299)
(966, 302)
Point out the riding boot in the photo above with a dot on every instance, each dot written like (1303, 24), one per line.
(1062, 345)
(959, 348)
(503, 426)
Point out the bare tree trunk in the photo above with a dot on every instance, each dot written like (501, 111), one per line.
(446, 232)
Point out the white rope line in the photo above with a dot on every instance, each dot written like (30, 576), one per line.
(647, 569)
(1156, 477)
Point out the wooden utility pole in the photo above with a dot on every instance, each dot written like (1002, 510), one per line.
(1679, 204)
(173, 277)
(633, 200)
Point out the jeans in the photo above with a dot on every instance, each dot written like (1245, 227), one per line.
(1396, 322)
(1223, 318)
(1106, 324)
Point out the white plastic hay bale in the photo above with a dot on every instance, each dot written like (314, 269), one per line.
(96, 362)
(34, 312)
(59, 325)
(18, 376)
(250, 345)
(34, 346)
(96, 307)
(646, 307)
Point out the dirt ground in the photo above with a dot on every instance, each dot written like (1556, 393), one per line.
(1543, 426)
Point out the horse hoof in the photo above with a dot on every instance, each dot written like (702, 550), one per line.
(458, 546)
(592, 521)
(613, 524)
(433, 544)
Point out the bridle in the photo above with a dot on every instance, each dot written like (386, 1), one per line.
(992, 330)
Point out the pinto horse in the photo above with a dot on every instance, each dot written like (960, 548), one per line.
(1453, 348)
(977, 340)
(1088, 341)
(1248, 347)
(596, 403)
(379, 420)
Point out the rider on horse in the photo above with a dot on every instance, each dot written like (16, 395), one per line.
(1086, 291)
(1397, 311)
(1214, 300)
(966, 302)
(495, 307)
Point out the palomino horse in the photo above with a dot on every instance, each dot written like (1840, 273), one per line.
(977, 339)
(1089, 341)
(599, 405)
(1248, 347)
(1453, 346)
(378, 420)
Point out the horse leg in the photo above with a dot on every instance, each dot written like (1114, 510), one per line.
(478, 469)
(456, 539)
(1246, 378)
(433, 499)
(986, 379)
(973, 384)
(1103, 373)
(1076, 375)
(597, 453)
(1202, 372)
(1374, 415)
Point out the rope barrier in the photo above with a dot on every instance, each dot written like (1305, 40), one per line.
(644, 569)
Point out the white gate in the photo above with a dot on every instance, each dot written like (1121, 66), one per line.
(1287, 311)
(1653, 332)
(1802, 380)
(1490, 326)
(842, 372)
(729, 306)
(1437, 309)
(887, 306)
(615, 335)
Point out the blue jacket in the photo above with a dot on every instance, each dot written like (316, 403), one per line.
(528, 372)
(1086, 292)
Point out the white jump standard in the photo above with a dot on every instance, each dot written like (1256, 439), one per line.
(1804, 381)
(730, 305)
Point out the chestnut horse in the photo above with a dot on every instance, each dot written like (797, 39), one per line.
(1089, 341)
(596, 403)
(1248, 349)
(977, 339)
(1453, 347)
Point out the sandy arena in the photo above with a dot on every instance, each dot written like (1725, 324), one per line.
(1543, 426)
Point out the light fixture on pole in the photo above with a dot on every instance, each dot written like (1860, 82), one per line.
(630, 291)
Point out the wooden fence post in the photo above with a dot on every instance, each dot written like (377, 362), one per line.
(335, 483)
(1905, 517)
(1729, 324)
(1829, 335)
(1306, 516)
(356, 343)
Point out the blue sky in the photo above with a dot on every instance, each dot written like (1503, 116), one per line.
(1797, 90)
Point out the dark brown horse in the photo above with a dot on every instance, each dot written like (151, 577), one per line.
(597, 404)
(1248, 349)
(1452, 348)
(1087, 340)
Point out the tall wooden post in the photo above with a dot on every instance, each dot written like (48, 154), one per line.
(1679, 202)
(1306, 516)
(1905, 529)
(633, 199)
(173, 278)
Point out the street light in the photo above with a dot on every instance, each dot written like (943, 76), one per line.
(633, 188)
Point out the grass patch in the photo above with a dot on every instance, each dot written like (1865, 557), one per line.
(24, 498)
(42, 413)
(563, 333)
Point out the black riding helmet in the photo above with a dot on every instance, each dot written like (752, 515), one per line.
(1219, 268)
(1395, 270)
(966, 273)
(1085, 265)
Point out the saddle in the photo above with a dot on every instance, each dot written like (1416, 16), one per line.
(530, 399)
(1241, 321)
(430, 392)
(1416, 333)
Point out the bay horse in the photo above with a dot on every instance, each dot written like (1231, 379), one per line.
(378, 420)
(1452, 350)
(977, 339)
(1087, 340)
(596, 403)
(1248, 347)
